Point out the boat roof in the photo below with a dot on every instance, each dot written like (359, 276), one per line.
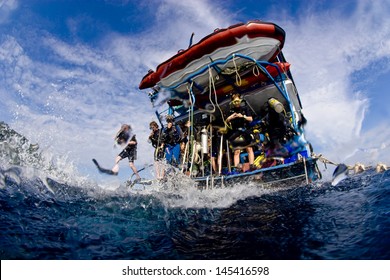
(258, 39)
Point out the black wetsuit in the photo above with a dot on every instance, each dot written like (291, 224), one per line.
(172, 136)
(239, 135)
(278, 127)
(156, 140)
(130, 151)
(216, 142)
(171, 140)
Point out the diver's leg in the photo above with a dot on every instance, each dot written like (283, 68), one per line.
(115, 169)
(237, 157)
(132, 166)
(251, 155)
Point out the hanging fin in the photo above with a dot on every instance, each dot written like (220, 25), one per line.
(339, 174)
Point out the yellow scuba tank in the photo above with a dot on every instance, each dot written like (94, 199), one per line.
(259, 160)
(276, 105)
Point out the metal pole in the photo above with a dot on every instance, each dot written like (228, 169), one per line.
(228, 156)
(185, 156)
(304, 164)
(220, 156)
(193, 156)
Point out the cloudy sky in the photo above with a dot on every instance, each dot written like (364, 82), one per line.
(69, 70)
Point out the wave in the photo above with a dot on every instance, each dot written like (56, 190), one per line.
(47, 219)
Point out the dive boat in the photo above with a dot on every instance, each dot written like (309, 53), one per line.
(196, 86)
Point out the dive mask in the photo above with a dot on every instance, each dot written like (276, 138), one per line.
(236, 101)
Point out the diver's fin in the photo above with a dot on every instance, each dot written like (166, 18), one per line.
(130, 184)
(339, 174)
(145, 182)
(104, 170)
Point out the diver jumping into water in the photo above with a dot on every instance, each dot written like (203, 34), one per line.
(130, 151)
(123, 137)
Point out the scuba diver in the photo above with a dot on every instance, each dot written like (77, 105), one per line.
(155, 138)
(278, 127)
(130, 151)
(171, 138)
(240, 137)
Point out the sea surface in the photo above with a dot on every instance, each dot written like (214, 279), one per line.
(47, 218)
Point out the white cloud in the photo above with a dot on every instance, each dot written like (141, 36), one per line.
(6, 9)
(326, 50)
(175, 22)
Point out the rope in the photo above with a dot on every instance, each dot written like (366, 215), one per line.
(357, 168)
(256, 71)
(238, 77)
(213, 91)
(324, 160)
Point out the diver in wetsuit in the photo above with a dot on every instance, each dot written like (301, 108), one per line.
(240, 137)
(172, 136)
(278, 127)
(155, 138)
(130, 151)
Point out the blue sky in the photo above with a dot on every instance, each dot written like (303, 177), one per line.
(69, 70)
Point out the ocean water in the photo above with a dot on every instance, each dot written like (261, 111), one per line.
(42, 217)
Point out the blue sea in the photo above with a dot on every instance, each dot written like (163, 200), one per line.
(43, 218)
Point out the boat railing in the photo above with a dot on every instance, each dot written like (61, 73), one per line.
(221, 178)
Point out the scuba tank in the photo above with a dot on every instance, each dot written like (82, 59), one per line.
(203, 140)
(276, 105)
